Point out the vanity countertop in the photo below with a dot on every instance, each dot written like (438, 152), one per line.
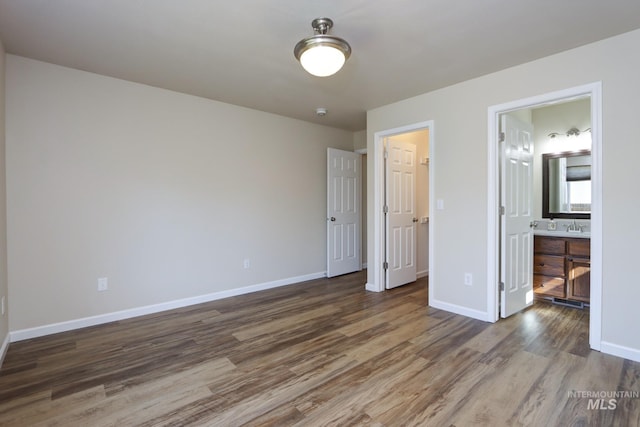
(563, 233)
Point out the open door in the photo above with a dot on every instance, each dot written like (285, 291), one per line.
(401, 213)
(343, 212)
(516, 232)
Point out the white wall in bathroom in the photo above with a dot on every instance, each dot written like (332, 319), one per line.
(557, 118)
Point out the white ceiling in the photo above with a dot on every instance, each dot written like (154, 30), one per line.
(241, 52)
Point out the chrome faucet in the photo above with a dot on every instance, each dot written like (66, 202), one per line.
(574, 227)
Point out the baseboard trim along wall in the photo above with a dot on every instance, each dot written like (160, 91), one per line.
(620, 351)
(421, 274)
(457, 309)
(4, 348)
(55, 328)
(371, 287)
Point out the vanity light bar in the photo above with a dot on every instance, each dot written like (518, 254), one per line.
(574, 131)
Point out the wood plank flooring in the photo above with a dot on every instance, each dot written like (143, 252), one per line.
(319, 353)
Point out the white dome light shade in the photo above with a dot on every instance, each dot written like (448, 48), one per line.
(322, 55)
(322, 61)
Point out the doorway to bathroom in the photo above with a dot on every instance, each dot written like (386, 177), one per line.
(562, 128)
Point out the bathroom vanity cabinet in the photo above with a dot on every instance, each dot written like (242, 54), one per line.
(561, 267)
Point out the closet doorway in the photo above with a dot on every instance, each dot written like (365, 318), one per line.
(388, 251)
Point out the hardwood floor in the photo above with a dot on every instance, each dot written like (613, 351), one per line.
(323, 352)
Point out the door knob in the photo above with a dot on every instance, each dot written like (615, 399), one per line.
(333, 218)
(415, 219)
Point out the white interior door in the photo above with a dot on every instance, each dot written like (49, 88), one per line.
(343, 212)
(401, 213)
(516, 236)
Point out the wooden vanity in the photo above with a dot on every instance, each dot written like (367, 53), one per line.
(561, 268)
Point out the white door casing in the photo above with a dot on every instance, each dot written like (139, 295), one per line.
(516, 243)
(343, 212)
(401, 215)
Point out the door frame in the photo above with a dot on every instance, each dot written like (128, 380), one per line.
(594, 91)
(378, 283)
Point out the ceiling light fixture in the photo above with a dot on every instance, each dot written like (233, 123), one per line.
(322, 55)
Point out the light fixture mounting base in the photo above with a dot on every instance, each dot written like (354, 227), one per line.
(321, 25)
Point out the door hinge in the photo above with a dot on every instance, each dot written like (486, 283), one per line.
(385, 209)
(501, 137)
(501, 286)
(385, 265)
(501, 210)
(386, 154)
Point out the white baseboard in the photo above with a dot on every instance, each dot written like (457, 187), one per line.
(55, 328)
(421, 274)
(4, 348)
(620, 351)
(372, 288)
(458, 309)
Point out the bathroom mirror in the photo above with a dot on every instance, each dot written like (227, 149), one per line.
(566, 185)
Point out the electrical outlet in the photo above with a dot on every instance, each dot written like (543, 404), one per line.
(246, 263)
(103, 284)
(468, 279)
